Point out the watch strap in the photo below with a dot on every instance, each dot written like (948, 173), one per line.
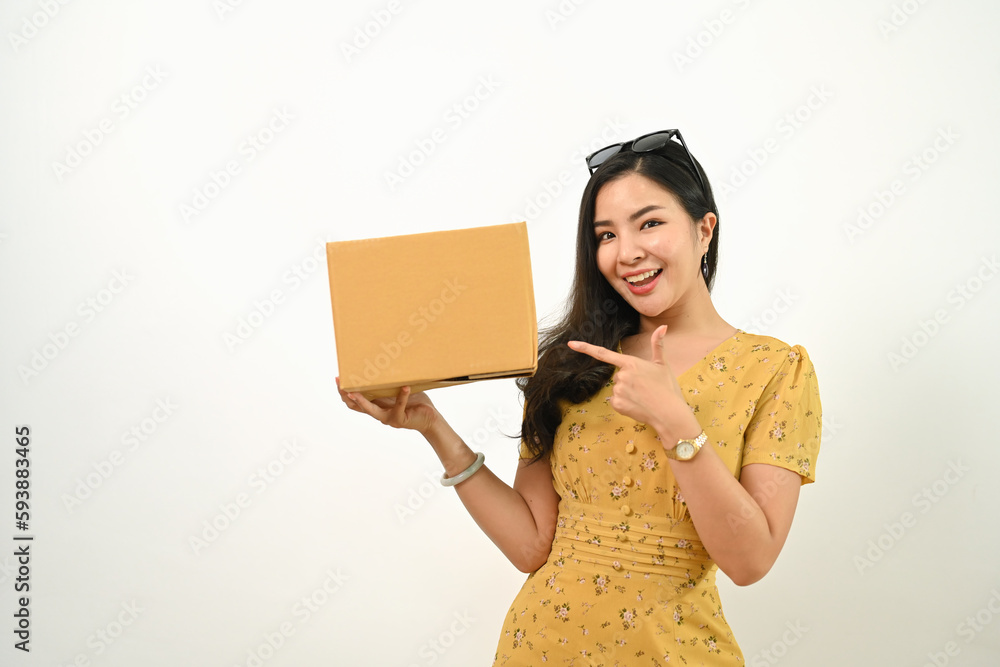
(697, 442)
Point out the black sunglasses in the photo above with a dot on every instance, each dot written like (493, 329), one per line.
(644, 144)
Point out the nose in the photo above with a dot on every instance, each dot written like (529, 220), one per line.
(629, 248)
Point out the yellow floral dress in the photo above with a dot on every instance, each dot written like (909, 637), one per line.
(628, 582)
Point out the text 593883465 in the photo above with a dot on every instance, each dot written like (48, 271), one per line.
(22, 542)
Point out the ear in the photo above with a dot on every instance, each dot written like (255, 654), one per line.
(706, 228)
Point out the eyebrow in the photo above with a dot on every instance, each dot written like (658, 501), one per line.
(632, 218)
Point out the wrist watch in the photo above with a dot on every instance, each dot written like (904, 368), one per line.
(685, 450)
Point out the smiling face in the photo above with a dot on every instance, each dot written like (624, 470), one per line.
(640, 228)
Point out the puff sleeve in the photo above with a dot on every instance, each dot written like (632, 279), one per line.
(787, 422)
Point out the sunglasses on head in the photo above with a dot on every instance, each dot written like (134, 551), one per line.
(644, 144)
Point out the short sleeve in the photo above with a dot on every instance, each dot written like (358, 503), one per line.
(787, 422)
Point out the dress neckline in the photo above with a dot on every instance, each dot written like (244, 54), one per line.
(698, 363)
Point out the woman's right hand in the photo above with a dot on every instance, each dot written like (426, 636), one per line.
(415, 412)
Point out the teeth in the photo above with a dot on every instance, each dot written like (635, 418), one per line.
(641, 276)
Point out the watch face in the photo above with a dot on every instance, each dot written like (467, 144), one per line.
(685, 450)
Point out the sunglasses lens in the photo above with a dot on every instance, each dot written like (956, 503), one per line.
(598, 158)
(652, 142)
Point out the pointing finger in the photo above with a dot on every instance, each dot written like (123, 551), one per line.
(599, 353)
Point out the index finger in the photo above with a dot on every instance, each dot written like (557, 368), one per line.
(598, 352)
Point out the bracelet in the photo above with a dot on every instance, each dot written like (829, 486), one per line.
(465, 474)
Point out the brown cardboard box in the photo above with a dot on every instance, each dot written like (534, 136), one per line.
(433, 309)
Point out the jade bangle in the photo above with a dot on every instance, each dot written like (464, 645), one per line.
(465, 474)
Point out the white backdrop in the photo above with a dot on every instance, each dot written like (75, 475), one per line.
(170, 172)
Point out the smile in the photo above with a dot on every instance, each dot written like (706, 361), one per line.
(641, 283)
(639, 277)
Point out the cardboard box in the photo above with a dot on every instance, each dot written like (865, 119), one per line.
(434, 309)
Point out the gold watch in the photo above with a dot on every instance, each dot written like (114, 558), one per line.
(685, 450)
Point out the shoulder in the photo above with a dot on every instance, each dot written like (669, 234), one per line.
(752, 340)
(770, 355)
(751, 343)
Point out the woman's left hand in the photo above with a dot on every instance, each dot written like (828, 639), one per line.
(647, 391)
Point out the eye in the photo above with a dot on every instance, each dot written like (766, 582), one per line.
(604, 236)
(652, 222)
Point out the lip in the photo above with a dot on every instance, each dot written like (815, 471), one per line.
(645, 289)
(635, 273)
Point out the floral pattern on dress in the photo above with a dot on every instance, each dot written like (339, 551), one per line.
(628, 581)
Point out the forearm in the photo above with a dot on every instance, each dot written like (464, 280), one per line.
(499, 510)
(730, 523)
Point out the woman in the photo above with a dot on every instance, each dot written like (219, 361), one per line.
(658, 443)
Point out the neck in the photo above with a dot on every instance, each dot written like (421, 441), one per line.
(695, 315)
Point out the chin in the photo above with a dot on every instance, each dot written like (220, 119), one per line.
(647, 307)
(651, 313)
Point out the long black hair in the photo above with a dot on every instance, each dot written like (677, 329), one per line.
(595, 312)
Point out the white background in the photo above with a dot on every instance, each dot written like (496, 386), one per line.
(840, 98)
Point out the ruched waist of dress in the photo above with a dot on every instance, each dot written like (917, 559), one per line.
(624, 541)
